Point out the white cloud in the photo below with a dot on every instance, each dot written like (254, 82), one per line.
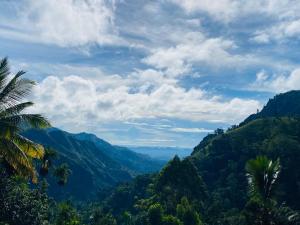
(220, 9)
(77, 101)
(191, 130)
(194, 48)
(261, 37)
(63, 22)
(277, 83)
(261, 76)
(280, 31)
(228, 10)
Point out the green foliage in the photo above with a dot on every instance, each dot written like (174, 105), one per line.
(171, 220)
(98, 216)
(262, 174)
(173, 183)
(62, 173)
(107, 219)
(187, 214)
(21, 205)
(127, 218)
(221, 163)
(155, 214)
(47, 159)
(262, 207)
(67, 215)
(282, 105)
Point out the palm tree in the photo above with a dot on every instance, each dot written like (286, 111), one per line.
(262, 174)
(46, 162)
(62, 173)
(17, 151)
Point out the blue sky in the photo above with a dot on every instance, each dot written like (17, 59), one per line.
(162, 72)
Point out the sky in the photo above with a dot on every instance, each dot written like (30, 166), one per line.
(152, 73)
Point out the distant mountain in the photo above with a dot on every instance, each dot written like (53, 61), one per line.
(162, 153)
(139, 162)
(285, 104)
(95, 163)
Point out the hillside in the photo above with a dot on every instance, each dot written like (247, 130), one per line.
(221, 162)
(285, 104)
(95, 163)
(213, 178)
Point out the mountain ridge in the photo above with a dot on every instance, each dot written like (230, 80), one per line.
(95, 163)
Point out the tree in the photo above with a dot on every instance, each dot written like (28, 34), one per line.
(62, 173)
(20, 204)
(155, 214)
(16, 151)
(49, 155)
(187, 214)
(67, 215)
(262, 175)
(107, 219)
(101, 217)
(127, 218)
(171, 220)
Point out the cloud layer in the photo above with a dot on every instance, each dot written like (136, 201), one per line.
(64, 22)
(82, 100)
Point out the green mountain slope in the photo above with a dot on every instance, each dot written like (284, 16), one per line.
(213, 178)
(136, 162)
(95, 164)
(221, 162)
(286, 104)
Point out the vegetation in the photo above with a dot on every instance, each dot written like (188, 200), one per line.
(62, 173)
(20, 204)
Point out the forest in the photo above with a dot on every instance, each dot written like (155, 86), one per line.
(248, 174)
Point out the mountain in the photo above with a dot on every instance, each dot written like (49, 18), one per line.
(138, 162)
(285, 104)
(213, 178)
(162, 153)
(95, 163)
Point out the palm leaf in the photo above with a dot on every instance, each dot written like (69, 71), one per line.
(4, 72)
(7, 129)
(17, 159)
(30, 148)
(16, 90)
(27, 120)
(262, 174)
(16, 109)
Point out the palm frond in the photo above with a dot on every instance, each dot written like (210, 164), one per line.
(17, 159)
(16, 90)
(16, 109)
(262, 174)
(4, 72)
(7, 129)
(30, 148)
(27, 120)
